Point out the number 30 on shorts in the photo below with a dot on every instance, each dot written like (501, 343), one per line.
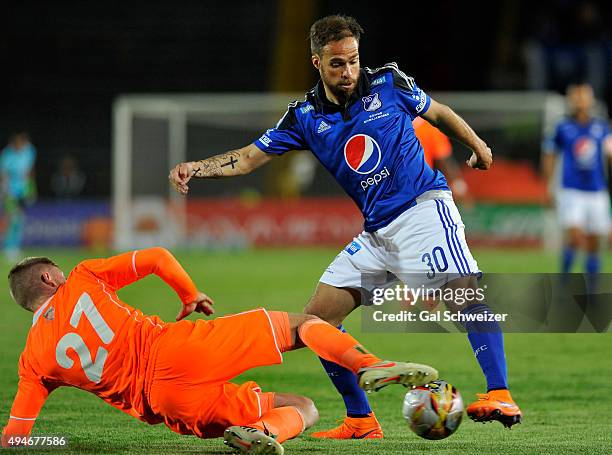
(437, 258)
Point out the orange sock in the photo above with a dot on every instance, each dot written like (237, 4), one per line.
(284, 423)
(334, 345)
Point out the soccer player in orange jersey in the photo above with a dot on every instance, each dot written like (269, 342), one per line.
(438, 154)
(178, 373)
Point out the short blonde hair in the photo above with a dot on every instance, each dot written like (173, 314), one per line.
(24, 280)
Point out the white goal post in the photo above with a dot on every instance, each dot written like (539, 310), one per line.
(175, 111)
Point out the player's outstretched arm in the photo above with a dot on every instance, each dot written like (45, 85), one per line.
(30, 398)
(228, 164)
(126, 268)
(444, 118)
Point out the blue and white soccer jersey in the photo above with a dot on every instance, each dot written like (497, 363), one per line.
(583, 200)
(369, 146)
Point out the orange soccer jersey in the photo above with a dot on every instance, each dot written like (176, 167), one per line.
(85, 337)
(435, 144)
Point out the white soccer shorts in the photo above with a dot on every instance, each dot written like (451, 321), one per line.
(424, 246)
(586, 210)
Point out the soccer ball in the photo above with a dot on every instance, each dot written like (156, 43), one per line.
(433, 411)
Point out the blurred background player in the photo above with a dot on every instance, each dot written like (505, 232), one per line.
(358, 123)
(68, 181)
(584, 144)
(18, 188)
(176, 373)
(438, 154)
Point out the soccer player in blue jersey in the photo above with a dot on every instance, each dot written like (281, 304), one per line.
(358, 124)
(584, 144)
(18, 188)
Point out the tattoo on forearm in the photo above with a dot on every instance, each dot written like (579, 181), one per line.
(213, 167)
(231, 162)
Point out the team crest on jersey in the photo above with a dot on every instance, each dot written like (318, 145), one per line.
(597, 131)
(371, 102)
(362, 153)
(49, 314)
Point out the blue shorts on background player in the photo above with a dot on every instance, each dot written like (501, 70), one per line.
(18, 189)
(584, 145)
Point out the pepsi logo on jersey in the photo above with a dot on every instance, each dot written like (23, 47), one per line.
(375, 179)
(362, 154)
(585, 151)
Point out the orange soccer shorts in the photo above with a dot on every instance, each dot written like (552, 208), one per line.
(192, 363)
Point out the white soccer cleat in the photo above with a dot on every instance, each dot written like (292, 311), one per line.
(379, 375)
(252, 441)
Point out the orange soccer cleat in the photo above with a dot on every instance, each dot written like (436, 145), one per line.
(495, 405)
(354, 428)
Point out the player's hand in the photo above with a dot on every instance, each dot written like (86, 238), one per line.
(201, 304)
(181, 174)
(483, 160)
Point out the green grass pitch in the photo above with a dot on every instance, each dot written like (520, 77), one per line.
(563, 382)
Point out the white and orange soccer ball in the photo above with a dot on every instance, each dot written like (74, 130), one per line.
(433, 411)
